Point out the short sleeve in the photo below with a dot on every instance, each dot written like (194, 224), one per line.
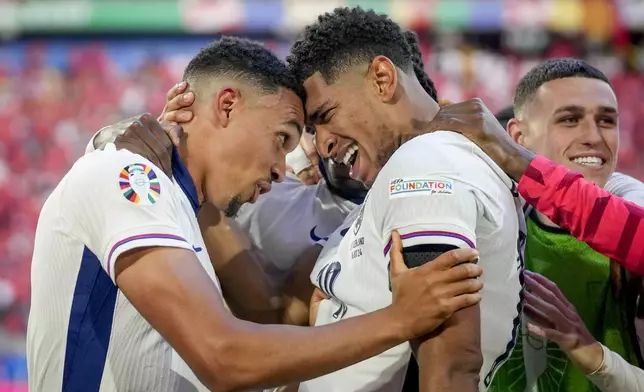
(116, 201)
(423, 194)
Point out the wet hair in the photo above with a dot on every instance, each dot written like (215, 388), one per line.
(344, 38)
(246, 60)
(552, 70)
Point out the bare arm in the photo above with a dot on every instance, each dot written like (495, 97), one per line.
(298, 288)
(247, 289)
(168, 287)
(450, 358)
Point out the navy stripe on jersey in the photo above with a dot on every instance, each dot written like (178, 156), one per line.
(90, 327)
(182, 177)
(431, 233)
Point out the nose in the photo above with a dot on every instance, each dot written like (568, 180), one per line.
(592, 133)
(278, 171)
(326, 143)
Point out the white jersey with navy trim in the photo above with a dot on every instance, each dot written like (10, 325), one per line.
(83, 334)
(438, 188)
(286, 221)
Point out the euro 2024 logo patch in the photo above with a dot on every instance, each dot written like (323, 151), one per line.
(139, 184)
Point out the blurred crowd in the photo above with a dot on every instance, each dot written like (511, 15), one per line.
(54, 95)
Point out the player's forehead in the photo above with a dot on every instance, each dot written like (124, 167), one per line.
(575, 94)
(284, 106)
(320, 95)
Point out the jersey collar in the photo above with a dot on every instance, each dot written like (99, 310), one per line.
(182, 177)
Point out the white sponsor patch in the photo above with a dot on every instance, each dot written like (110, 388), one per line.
(406, 187)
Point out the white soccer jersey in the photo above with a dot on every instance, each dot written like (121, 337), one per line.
(437, 188)
(286, 221)
(83, 334)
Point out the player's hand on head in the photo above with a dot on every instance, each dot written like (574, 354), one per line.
(147, 137)
(424, 297)
(552, 317)
(177, 107)
(474, 120)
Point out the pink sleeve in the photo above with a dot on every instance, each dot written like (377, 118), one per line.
(609, 224)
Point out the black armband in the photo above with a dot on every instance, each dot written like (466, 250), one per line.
(417, 255)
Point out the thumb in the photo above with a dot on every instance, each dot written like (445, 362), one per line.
(318, 295)
(397, 263)
(174, 132)
(444, 102)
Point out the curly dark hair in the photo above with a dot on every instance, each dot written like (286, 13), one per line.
(419, 65)
(245, 60)
(552, 70)
(345, 38)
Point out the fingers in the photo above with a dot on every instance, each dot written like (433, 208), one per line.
(318, 295)
(175, 110)
(180, 102)
(174, 132)
(462, 301)
(452, 258)
(397, 263)
(532, 308)
(466, 270)
(549, 292)
(547, 333)
(467, 286)
(152, 135)
(176, 90)
(544, 312)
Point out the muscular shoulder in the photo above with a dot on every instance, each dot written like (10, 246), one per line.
(448, 155)
(109, 175)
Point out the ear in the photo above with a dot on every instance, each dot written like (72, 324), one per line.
(226, 100)
(383, 78)
(515, 129)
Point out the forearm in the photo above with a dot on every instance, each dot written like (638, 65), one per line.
(247, 287)
(267, 356)
(616, 374)
(298, 288)
(450, 358)
(609, 224)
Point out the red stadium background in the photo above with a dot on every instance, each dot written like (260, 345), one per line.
(69, 68)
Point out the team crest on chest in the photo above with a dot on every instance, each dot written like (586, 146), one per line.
(140, 184)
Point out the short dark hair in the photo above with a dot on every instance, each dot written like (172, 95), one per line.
(505, 115)
(247, 60)
(419, 65)
(345, 38)
(552, 70)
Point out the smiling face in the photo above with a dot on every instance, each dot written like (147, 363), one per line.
(351, 121)
(574, 122)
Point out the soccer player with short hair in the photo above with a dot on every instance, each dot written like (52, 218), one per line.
(290, 224)
(566, 110)
(439, 190)
(124, 295)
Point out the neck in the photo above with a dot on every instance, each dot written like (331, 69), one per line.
(423, 109)
(192, 164)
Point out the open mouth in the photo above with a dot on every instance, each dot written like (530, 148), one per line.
(589, 161)
(350, 155)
